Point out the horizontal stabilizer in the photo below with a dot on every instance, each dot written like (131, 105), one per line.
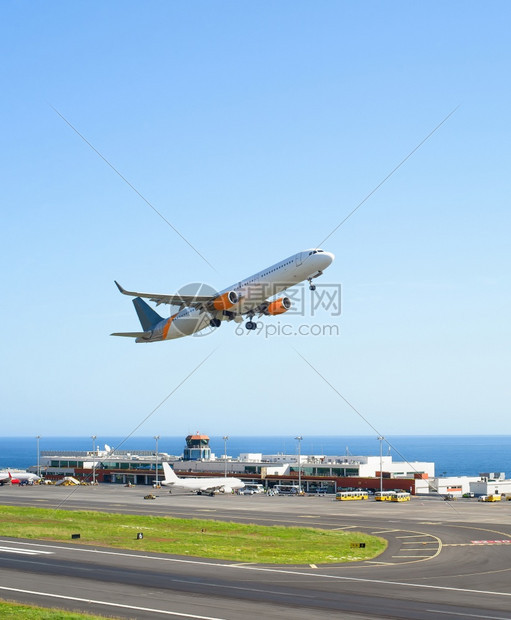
(133, 334)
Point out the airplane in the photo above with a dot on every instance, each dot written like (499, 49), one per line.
(200, 485)
(249, 297)
(20, 477)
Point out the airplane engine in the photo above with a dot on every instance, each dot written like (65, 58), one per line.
(226, 490)
(279, 306)
(225, 301)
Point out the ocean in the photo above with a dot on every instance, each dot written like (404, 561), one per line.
(456, 455)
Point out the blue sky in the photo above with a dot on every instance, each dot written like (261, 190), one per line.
(255, 128)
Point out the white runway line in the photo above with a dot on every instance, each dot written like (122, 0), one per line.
(94, 602)
(24, 551)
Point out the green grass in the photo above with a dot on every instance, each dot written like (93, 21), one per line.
(192, 537)
(16, 611)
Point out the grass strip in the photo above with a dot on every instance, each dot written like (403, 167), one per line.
(192, 537)
(16, 611)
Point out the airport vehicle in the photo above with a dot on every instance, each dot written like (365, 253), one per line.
(401, 496)
(287, 489)
(67, 481)
(200, 485)
(468, 494)
(351, 495)
(246, 491)
(19, 477)
(249, 297)
(383, 496)
(255, 488)
(321, 491)
(490, 498)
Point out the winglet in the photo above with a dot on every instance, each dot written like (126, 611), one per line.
(123, 291)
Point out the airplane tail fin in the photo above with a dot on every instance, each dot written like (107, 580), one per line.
(146, 315)
(170, 475)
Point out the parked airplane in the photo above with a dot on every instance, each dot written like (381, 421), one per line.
(20, 477)
(249, 297)
(200, 485)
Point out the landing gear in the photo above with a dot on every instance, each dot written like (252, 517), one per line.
(250, 325)
(312, 287)
(215, 322)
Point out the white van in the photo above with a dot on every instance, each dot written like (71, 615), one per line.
(255, 488)
(287, 489)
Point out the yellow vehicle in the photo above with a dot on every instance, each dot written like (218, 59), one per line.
(384, 496)
(400, 497)
(351, 495)
(493, 498)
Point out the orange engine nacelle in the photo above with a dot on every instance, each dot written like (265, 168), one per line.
(225, 301)
(279, 306)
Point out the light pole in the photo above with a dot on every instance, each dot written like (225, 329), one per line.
(156, 437)
(299, 440)
(93, 437)
(380, 439)
(38, 437)
(225, 438)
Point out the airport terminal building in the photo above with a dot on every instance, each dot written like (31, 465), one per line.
(315, 472)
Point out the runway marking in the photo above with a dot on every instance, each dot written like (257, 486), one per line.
(280, 571)
(343, 527)
(24, 551)
(307, 516)
(410, 556)
(457, 613)
(262, 591)
(418, 542)
(413, 536)
(418, 549)
(312, 565)
(244, 564)
(384, 531)
(92, 601)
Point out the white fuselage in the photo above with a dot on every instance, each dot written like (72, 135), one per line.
(22, 476)
(252, 292)
(205, 485)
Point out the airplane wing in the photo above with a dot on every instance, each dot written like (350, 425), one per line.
(211, 302)
(132, 334)
(211, 487)
(173, 300)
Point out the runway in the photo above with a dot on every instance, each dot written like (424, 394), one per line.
(443, 561)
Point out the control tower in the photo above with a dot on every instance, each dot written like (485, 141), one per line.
(197, 448)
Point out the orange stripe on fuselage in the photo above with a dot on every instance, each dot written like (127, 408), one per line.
(166, 327)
